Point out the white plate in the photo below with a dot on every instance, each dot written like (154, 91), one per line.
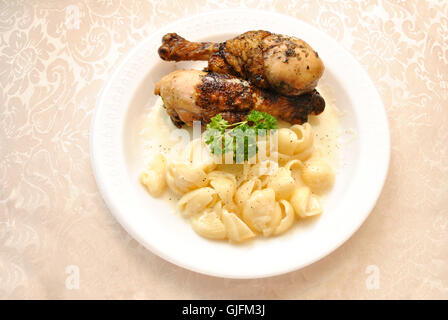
(150, 221)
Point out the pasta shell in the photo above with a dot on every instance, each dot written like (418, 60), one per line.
(294, 167)
(236, 229)
(245, 190)
(282, 183)
(288, 219)
(263, 168)
(200, 157)
(303, 155)
(314, 206)
(292, 164)
(197, 201)
(260, 211)
(305, 137)
(209, 225)
(276, 219)
(305, 203)
(299, 201)
(225, 185)
(287, 141)
(154, 177)
(184, 177)
(318, 175)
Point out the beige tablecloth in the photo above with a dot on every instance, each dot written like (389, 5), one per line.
(59, 240)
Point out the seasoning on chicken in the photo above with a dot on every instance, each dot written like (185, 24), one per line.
(285, 64)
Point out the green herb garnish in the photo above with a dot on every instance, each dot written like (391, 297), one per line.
(239, 137)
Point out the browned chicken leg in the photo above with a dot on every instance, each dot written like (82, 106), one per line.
(193, 95)
(285, 64)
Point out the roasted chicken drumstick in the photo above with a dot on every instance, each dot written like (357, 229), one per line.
(287, 65)
(193, 95)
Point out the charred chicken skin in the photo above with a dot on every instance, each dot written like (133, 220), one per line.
(284, 64)
(193, 95)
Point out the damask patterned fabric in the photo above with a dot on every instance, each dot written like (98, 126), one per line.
(54, 58)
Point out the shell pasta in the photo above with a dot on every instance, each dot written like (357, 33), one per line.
(259, 198)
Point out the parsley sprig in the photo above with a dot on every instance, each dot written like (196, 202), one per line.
(240, 137)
